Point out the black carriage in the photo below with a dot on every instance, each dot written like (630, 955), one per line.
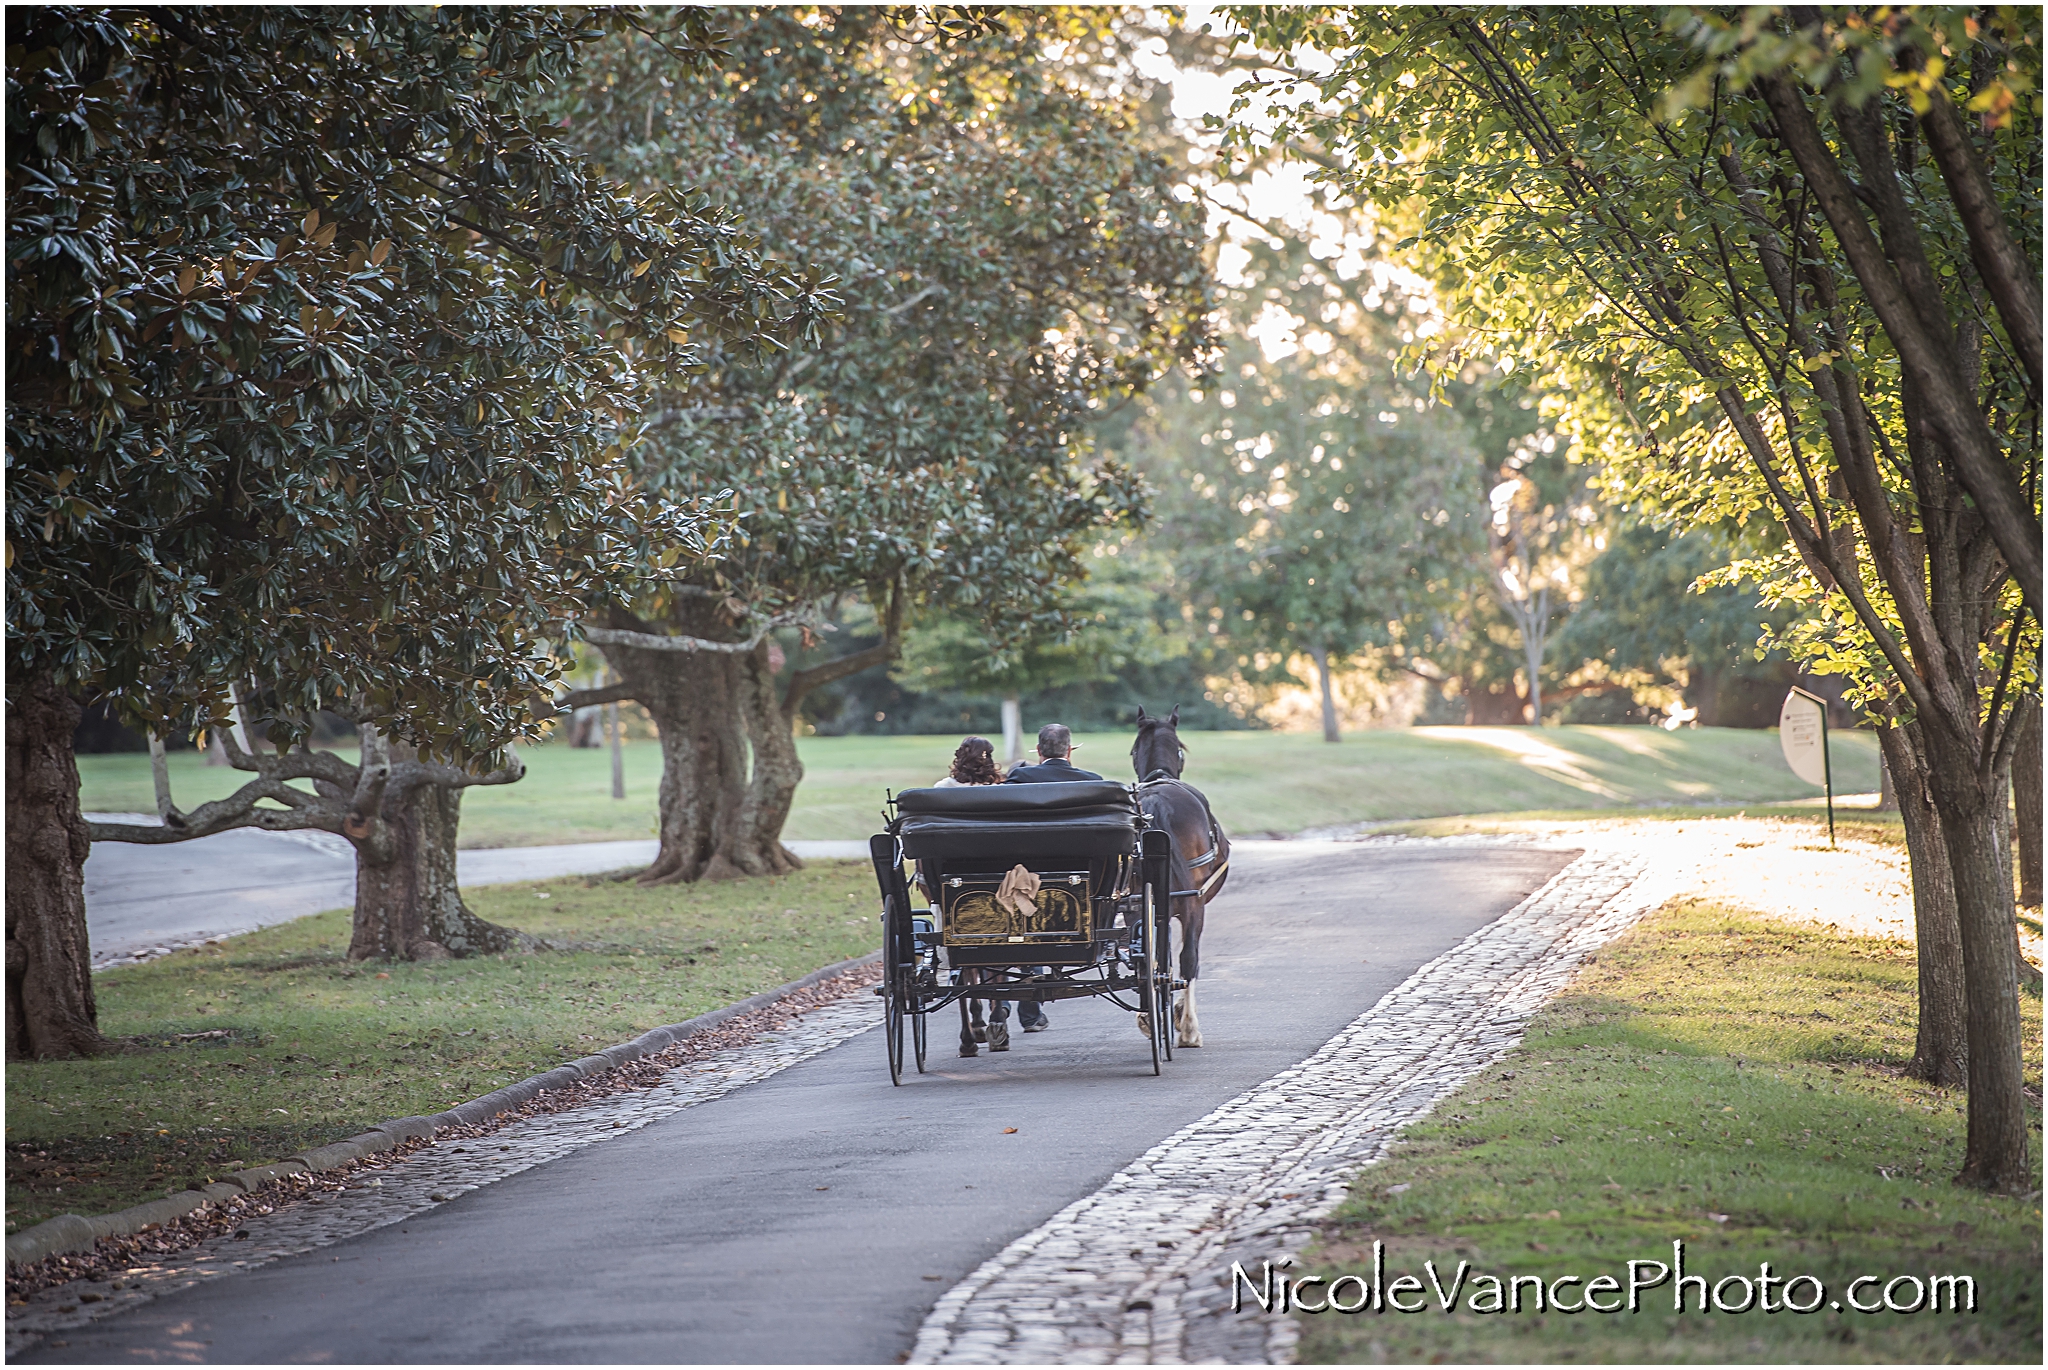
(1098, 925)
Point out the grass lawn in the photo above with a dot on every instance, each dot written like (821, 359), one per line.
(1718, 1079)
(319, 1049)
(1258, 781)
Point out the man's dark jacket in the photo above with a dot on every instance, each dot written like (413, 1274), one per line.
(1056, 768)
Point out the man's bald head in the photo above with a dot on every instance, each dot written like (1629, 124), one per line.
(1054, 740)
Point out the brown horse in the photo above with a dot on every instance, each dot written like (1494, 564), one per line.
(1201, 850)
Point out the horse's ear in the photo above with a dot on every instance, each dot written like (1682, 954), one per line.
(1141, 713)
(1173, 719)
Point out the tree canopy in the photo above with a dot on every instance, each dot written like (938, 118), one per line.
(1314, 502)
(1012, 264)
(305, 382)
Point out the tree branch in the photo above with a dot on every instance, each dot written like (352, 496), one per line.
(618, 693)
(803, 682)
(676, 642)
(2015, 285)
(1950, 406)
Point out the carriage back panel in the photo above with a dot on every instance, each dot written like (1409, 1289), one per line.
(1072, 833)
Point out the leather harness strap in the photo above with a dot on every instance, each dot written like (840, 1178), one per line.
(1215, 846)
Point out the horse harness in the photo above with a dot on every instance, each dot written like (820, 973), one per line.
(1215, 845)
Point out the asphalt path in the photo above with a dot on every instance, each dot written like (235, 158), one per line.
(818, 1215)
(143, 896)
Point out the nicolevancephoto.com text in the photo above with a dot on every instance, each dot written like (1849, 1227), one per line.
(1272, 1290)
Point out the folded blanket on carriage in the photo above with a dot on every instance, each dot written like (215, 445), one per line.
(1019, 891)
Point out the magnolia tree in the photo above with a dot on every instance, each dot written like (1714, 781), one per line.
(1780, 264)
(1013, 260)
(306, 395)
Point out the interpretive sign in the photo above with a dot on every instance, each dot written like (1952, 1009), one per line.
(1803, 733)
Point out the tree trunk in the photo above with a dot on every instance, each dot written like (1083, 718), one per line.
(1013, 731)
(721, 817)
(617, 739)
(694, 699)
(408, 907)
(1887, 789)
(2026, 803)
(51, 1013)
(757, 845)
(1321, 657)
(2028, 976)
(1995, 1154)
(1941, 1051)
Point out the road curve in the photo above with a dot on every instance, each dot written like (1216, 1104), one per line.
(816, 1216)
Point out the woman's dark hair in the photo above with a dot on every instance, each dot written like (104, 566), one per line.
(975, 762)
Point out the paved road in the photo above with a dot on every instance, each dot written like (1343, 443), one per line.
(706, 1236)
(141, 897)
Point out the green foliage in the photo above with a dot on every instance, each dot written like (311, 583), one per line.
(1597, 193)
(1645, 613)
(1118, 616)
(1014, 261)
(319, 1048)
(1717, 1079)
(1314, 503)
(307, 378)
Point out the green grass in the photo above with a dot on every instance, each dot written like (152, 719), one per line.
(1718, 1079)
(1258, 781)
(319, 1048)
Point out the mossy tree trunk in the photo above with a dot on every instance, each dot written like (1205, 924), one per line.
(51, 1012)
(408, 905)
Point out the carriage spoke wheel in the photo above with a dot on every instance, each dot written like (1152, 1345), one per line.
(1148, 984)
(892, 1025)
(917, 1037)
(1162, 977)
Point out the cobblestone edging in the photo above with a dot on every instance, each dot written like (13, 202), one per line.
(69, 1232)
(1138, 1272)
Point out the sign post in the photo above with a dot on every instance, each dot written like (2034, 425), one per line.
(1803, 733)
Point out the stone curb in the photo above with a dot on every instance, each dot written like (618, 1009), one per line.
(69, 1232)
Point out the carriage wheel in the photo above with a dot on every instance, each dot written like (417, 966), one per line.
(917, 1037)
(1162, 974)
(1148, 986)
(892, 1025)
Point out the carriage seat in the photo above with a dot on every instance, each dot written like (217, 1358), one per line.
(1063, 820)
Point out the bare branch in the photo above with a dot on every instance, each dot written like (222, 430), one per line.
(677, 642)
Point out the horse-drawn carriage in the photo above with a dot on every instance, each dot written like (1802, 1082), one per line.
(1029, 892)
